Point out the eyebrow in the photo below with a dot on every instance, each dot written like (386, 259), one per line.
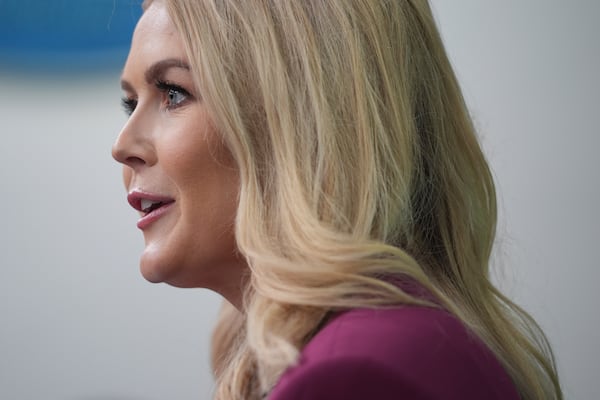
(156, 70)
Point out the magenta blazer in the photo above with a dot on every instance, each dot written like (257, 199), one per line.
(409, 352)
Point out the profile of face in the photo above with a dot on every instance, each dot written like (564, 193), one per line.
(179, 174)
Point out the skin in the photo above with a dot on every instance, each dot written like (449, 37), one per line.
(170, 147)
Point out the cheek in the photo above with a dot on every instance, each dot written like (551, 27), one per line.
(196, 156)
(200, 165)
(207, 181)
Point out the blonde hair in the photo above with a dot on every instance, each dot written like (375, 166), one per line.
(358, 162)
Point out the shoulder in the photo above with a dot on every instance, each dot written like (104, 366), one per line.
(415, 352)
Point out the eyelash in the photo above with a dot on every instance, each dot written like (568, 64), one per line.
(128, 105)
(170, 88)
(167, 89)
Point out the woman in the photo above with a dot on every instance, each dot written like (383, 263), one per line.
(314, 162)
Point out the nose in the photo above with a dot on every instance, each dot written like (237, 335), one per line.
(132, 147)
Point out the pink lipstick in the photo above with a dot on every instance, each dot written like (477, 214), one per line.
(151, 206)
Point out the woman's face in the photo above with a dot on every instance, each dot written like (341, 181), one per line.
(178, 172)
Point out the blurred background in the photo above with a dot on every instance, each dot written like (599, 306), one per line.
(79, 322)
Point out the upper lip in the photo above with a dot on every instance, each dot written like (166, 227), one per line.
(136, 196)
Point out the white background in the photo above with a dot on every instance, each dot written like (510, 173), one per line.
(79, 322)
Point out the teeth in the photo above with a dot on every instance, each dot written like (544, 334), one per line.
(146, 204)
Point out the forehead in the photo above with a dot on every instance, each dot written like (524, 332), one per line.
(155, 19)
(155, 38)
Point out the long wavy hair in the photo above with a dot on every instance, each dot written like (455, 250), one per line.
(358, 164)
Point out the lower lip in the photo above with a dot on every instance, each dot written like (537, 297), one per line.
(149, 218)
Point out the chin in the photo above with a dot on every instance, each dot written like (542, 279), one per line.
(154, 270)
(151, 275)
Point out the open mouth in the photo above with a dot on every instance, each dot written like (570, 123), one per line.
(147, 203)
(147, 206)
(151, 206)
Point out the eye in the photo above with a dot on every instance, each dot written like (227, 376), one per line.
(128, 105)
(175, 95)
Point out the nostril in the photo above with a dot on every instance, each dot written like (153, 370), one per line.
(134, 161)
